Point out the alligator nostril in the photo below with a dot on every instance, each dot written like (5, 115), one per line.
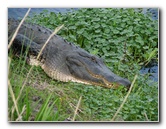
(128, 86)
(127, 83)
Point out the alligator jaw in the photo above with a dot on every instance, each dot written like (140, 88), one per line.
(114, 81)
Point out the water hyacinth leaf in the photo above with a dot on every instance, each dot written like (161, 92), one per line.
(97, 31)
(72, 37)
(103, 25)
(72, 27)
(96, 19)
(107, 30)
(115, 31)
(80, 31)
(142, 31)
(139, 40)
(86, 35)
(145, 47)
(97, 26)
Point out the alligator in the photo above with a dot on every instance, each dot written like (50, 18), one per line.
(62, 60)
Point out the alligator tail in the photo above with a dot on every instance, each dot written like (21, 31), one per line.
(22, 43)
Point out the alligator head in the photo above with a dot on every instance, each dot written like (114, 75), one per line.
(91, 69)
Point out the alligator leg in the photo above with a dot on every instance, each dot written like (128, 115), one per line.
(22, 43)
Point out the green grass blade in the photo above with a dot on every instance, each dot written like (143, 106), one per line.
(42, 109)
(48, 111)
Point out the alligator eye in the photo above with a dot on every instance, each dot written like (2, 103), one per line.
(93, 59)
(39, 29)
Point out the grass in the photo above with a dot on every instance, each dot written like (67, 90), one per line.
(44, 99)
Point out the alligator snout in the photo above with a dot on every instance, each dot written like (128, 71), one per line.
(124, 82)
(115, 81)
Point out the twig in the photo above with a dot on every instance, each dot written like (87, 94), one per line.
(11, 41)
(124, 99)
(78, 104)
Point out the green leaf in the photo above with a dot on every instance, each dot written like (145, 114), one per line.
(80, 31)
(115, 31)
(72, 37)
(96, 26)
(42, 109)
(107, 30)
(97, 31)
(96, 19)
(103, 25)
(72, 27)
(139, 40)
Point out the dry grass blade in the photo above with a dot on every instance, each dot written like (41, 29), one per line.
(9, 62)
(124, 99)
(13, 97)
(74, 107)
(11, 90)
(146, 116)
(75, 112)
(11, 41)
(20, 116)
